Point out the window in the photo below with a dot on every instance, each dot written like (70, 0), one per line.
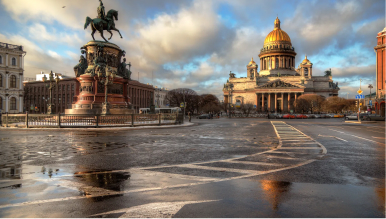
(13, 103)
(1, 60)
(14, 61)
(1, 103)
(306, 72)
(13, 81)
(1, 80)
(276, 63)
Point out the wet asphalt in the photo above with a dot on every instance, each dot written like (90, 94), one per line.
(216, 168)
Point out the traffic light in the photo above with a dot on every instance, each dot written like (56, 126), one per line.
(360, 104)
(356, 103)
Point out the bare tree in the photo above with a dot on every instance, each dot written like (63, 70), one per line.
(315, 102)
(210, 103)
(302, 105)
(246, 108)
(335, 104)
(176, 96)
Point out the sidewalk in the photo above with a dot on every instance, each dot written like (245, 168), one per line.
(186, 124)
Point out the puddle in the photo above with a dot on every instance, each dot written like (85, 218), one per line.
(114, 181)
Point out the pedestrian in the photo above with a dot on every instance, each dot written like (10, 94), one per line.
(344, 116)
(190, 116)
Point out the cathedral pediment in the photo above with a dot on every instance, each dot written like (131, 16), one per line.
(279, 84)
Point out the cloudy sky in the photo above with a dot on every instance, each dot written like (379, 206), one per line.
(195, 43)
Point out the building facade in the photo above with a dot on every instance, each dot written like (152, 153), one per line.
(279, 83)
(380, 73)
(159, 97)
(141, 95)
(11, 78)
(37, 95)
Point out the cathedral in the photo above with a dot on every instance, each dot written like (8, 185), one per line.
(278, 83)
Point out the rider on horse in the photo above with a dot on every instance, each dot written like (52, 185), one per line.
(102, 15)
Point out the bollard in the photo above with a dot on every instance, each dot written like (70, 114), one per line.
(59, 120)
(6, 123)
(132, 120)
(26, 119)
(97, 121)
(159, 119)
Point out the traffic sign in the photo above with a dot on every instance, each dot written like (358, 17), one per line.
(370, 102)
(254, 106)
(359, 91)
(359, 96)
(181, 104)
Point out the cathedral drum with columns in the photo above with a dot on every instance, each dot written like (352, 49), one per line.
(279, 83)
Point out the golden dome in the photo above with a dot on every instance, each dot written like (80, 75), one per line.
(277, 34)
(252, 62)
(305, 60)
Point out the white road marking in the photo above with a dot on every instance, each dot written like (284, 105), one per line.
(248, 173)
(332, 137)
(358, 137)
(377, 137)
(254, 163)
(153, 210)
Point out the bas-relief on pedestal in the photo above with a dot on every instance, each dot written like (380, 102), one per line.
(99, 57)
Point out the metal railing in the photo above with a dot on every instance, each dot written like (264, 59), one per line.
(77, 121)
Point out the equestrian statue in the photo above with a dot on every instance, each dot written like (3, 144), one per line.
(103, 22)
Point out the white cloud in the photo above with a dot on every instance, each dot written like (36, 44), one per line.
(39, 32)
(48, 11)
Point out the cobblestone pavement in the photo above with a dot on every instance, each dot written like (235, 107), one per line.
(193, 171)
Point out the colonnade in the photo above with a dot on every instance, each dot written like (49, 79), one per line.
(270, 62)
(276, 102)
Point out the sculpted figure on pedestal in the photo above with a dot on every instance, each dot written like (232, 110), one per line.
(123, 71)
(81, 67)
(103, 22)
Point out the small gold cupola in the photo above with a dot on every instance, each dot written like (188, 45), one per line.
(277, 24)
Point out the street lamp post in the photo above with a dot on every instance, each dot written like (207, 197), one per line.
(106, 79)
(370, 86)
(158, 96)
(52, 83)
(359, 105)
(229, 88)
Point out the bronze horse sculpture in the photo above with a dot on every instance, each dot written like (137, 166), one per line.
(100, 25)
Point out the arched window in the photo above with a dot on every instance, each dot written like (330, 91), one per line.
(13, 103)
(13, 81)
(14, 61)
(1, 60)
(252, 74)
(1, 80)
(306, 72)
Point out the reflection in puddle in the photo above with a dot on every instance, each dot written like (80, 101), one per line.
(114, 181)
(274, 191)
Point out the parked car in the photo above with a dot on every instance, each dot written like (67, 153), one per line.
(373, 117)
(317, 116)
(323, 116)
(338, 116)
(311, 116)
(203, 116)
(273, 116)
(289, 116)
(301, 116)
(352, 116)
